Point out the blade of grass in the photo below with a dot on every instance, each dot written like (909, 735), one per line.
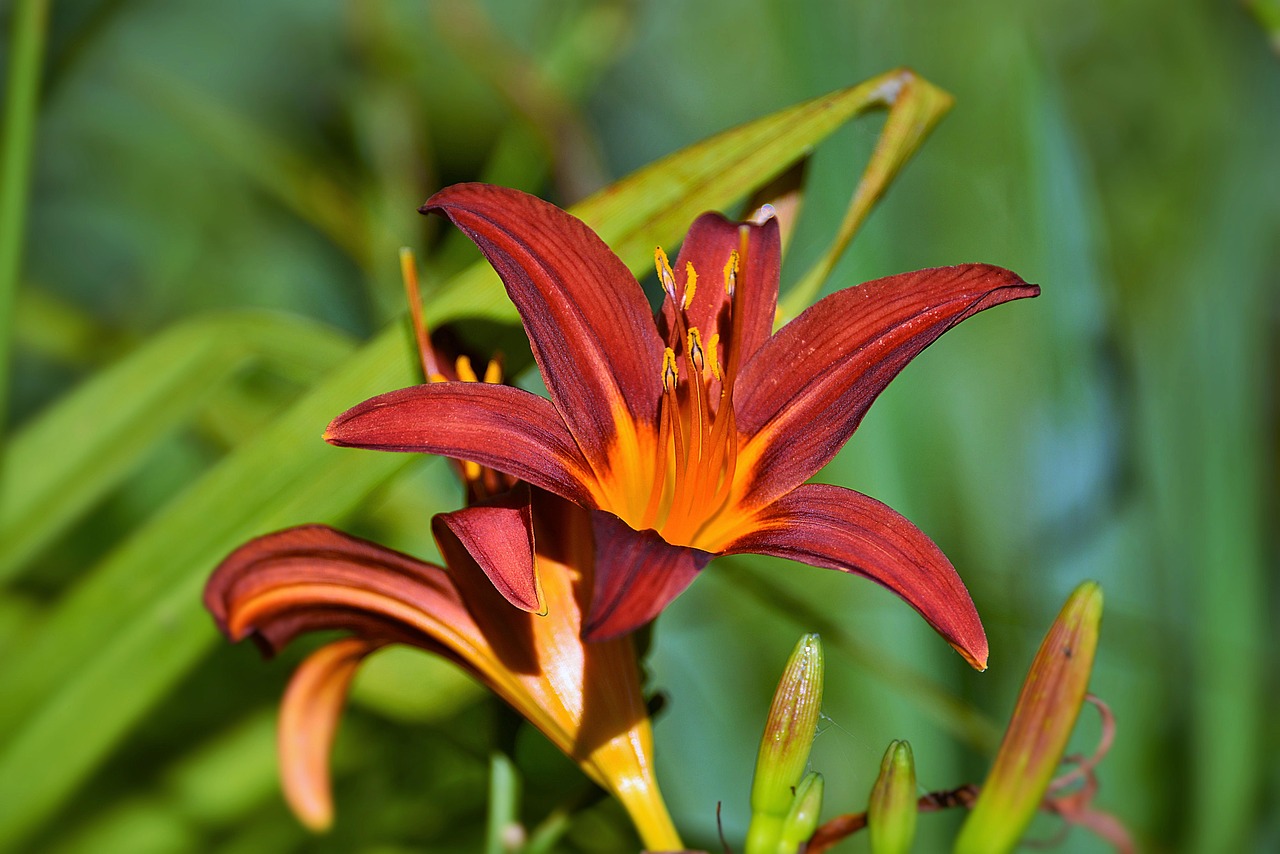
(915, 108)
(134, 626)
(26, 56)
(75, 452)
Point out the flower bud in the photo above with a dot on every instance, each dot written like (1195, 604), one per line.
(1037, 736)
(802, 818)
(891, 813)
(784, 748)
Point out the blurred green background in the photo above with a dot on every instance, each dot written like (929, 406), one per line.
(223, 187)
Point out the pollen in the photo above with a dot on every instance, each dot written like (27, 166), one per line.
(466, 373)
(713, 344)
(690, 284)
(665, 275)
(493, 373)
(731, 273)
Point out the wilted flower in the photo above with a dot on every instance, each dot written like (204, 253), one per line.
(586, 698)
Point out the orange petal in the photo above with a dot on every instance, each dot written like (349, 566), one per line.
(309, 716)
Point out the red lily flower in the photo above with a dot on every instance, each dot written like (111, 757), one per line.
(585, 697)
(691, 436)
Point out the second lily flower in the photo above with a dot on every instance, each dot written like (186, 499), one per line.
(691, 435)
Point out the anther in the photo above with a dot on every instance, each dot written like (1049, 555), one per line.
(694, 348)
(669, 370)
(690, 284)
(466, 373)
(731, 273)
(493, 373)
(665, 275)
(713, 343)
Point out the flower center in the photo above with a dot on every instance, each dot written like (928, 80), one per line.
(697, 444)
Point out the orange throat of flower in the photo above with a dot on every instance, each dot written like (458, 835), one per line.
(679, 479)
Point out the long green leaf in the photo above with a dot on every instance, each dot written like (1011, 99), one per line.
(74, 453)
(26, 56)
(123, 638)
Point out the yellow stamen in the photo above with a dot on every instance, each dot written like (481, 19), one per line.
(471, 471)
(669, 370)
(690, 284)
(731, 273)
(712, 344)
(493, 373)
(466, 373)
(665, 275)
(694, 348)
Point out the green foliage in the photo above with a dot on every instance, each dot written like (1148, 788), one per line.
(217, 192)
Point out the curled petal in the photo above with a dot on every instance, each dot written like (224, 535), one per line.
(805, 391)
(314, 578)
(587, 319)
(498, 426)
(309, 715)
(838, 528)
(637, 575)
(498, 536)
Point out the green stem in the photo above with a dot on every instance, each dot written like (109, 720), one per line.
(26, 55)
(504, 803)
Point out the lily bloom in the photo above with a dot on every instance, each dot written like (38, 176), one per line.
(691, 434)
(586, 698)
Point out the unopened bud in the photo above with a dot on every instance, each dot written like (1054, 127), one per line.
(784, 748)
(1037, 736)
(802, 818)
(892, 811)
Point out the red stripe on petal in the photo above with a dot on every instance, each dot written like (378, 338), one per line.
(806, 390)
(637, 574)
(837, 528)
(504, 428)
(587, 319)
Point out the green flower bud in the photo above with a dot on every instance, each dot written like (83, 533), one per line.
(892, 811)
(784, 748)
(802, 818)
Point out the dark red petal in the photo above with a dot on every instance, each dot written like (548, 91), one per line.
(590, 326)
(637, 575)
(498, 426)
(837, 528)
(708, 245)
(313, 578)
(498, 536)
(806, 390)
